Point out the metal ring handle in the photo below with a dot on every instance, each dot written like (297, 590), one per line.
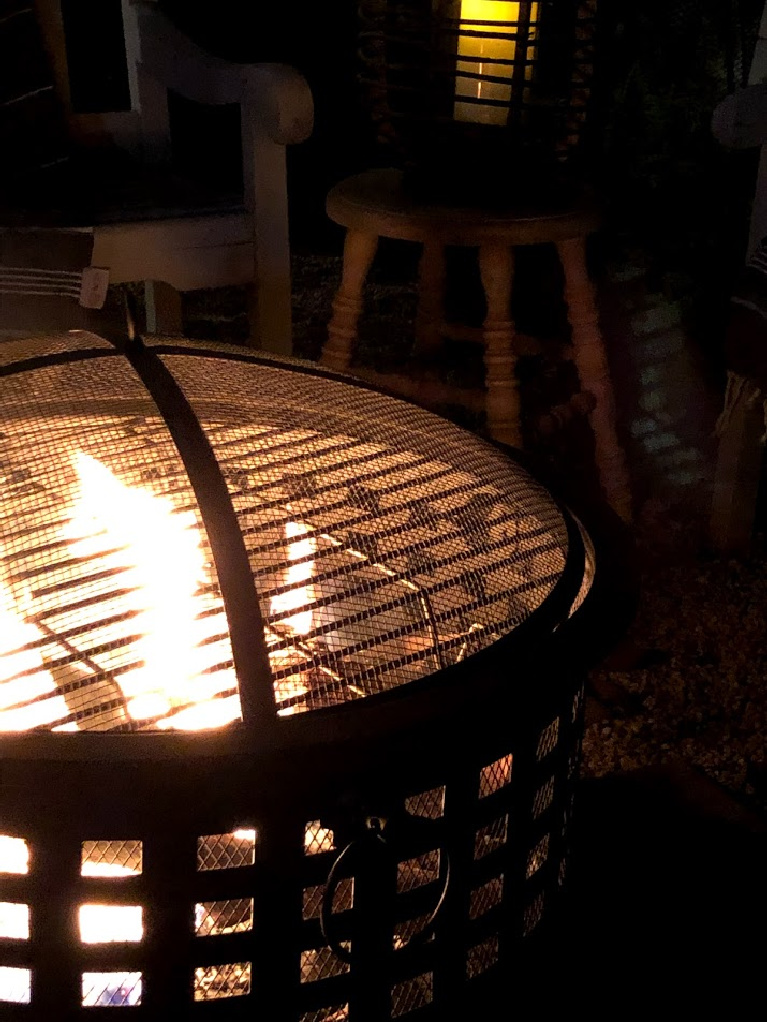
(326, 908)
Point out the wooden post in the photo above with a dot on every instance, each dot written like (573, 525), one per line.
(594, 371)
(162, 304)
(359, 252)
(496, 265)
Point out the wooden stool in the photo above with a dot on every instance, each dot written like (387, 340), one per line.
(375, 204)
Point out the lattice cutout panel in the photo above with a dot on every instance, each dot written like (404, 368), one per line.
(343, 899)
(318, 839)
(111, 989)
(491, 837)
(548, 739)
(214, 982)
(14, 855)
(544, 796)
(15, 985)
(335, 1014)
(412, 994)
(111, 858)
(217, 918)
(495, 776)
(482, 899)
(481, 957)
(428, 804)
(538, 856)
(322, 963)
(14, 920)
(420, 870)
(226, 851)
(533, 914)
(408, 929)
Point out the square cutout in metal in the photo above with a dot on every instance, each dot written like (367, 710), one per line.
(495, 776)
(111, 989)
(544, 796)
(318, 839)
(216, 918)
(481, 957)
(14, 920)
(533, 914)
(15, 985)
(538, 856)
(412, 994)
(226, 851)
(14, 855)
(429, 804)
(214, 982)
(482, 899)
(408, 929)
(111, 924)
(335, 1014)
(548, 739)
(111, 858)
(420, 870)
(491, 837)
(343, 898)
(322, 963)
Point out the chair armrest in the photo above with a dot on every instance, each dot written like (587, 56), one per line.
(740, 120)
(276, 95)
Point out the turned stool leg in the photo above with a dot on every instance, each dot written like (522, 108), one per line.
(591, 361)
(431, 294)
(496, 264)
(359, 252)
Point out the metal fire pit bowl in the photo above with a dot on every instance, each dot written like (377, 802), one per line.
(290, 691)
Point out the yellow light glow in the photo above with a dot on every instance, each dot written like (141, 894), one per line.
(14, 855)
(14, 920)
(298, 549)
(478, 52)
(111, 924)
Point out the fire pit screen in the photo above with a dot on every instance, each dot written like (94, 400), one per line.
(288, 715)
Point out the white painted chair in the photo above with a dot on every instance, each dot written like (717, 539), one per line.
(208, 247)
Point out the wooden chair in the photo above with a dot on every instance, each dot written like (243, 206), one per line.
(48, 285)
(150, 225)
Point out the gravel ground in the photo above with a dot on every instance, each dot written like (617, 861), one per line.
(689, 684)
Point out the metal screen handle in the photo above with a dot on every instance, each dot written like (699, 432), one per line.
(373, 836)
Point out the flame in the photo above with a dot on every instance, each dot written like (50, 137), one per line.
(23, 676)
(161, 559)
(299, 550)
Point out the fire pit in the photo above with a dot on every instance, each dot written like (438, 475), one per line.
(290, 708)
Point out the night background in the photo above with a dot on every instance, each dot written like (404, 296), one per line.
(673, 809)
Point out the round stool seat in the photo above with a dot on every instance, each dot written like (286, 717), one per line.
(378, 202)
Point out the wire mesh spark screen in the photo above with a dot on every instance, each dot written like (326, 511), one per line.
(384, 544)
(291, 705)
